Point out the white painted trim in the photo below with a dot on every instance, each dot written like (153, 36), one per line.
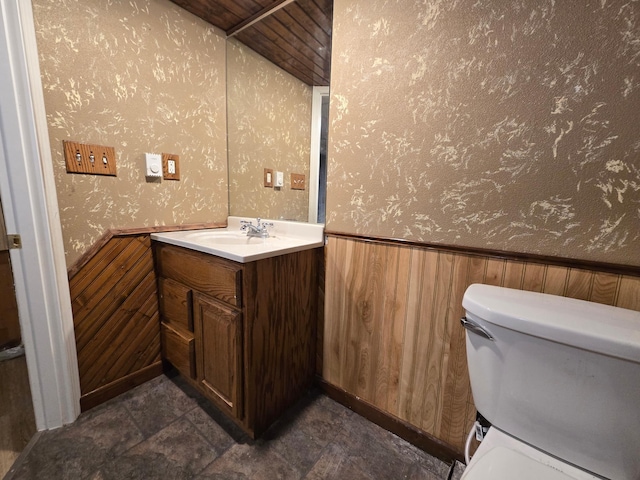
(261, 17)
(27, 189)
(314, 160)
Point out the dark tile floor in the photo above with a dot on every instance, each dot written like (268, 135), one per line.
(165, 429)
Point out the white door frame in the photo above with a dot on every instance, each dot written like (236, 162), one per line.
(28, 194)
(314, 156)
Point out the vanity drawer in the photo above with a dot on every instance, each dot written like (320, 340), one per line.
(175, 303)
(179, 348)
(219, 278)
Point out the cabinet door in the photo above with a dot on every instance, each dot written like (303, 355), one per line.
(218, 335)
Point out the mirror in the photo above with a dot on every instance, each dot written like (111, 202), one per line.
(271, 120)
(318, 156)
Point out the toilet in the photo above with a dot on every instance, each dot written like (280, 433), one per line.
(558, 379)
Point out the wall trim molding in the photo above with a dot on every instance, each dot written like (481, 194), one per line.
(404, 430)
(314, 150)
(134, 231)
(615, 268)
(31, 210)
(120, 386)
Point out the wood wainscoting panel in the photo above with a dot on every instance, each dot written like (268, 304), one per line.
(392, 334)
(116, 320)
(628, 294)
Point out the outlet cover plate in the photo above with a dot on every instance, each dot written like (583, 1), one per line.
(170, 166)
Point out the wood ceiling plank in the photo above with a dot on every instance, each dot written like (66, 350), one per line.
(296, 14)
(212, 12)
(297, 37)
(288, 62)
(321, 11)
(295, 46)
(264, 47)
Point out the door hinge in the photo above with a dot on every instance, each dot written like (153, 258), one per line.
(14, 241)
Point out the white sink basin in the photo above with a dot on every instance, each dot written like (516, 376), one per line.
(216, 237)
(234, 244)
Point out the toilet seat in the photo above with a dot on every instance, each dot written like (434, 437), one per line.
(502, 457)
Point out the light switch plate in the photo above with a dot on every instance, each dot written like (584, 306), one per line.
(90, 159)
(298, 181)
(268, 177)
(154, 164)
(170, 166)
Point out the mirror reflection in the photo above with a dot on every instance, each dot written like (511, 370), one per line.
(275, 123)
(269, 126)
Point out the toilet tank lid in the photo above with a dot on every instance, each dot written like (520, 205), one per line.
(591, 326)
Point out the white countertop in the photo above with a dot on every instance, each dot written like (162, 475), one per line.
(233, 244)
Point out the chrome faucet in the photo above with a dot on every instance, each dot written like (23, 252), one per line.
(259, 230)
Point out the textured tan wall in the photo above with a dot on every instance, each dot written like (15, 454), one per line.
(141, 76)
(269, 127)
(509, 125)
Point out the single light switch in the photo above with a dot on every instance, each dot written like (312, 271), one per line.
(268, 177)
(154, 164)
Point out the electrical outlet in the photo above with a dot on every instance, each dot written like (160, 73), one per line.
(170, 166)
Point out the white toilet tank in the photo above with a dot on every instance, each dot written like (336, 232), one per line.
(560, 374)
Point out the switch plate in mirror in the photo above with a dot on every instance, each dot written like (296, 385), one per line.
(298, 181)
(268, 177)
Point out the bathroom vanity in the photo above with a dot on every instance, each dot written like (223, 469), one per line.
(242, 332)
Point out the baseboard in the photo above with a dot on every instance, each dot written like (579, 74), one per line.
(122, 385)
(404, 430)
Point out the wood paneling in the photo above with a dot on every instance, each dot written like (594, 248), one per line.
(392, 335)
(118, 232)
(116, 322)
(296, 36)
(9, 320)
(403, 429)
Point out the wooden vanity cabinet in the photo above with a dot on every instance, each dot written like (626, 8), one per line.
(242, 334)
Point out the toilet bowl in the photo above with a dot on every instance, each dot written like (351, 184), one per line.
(502, 457)
(559, 381)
